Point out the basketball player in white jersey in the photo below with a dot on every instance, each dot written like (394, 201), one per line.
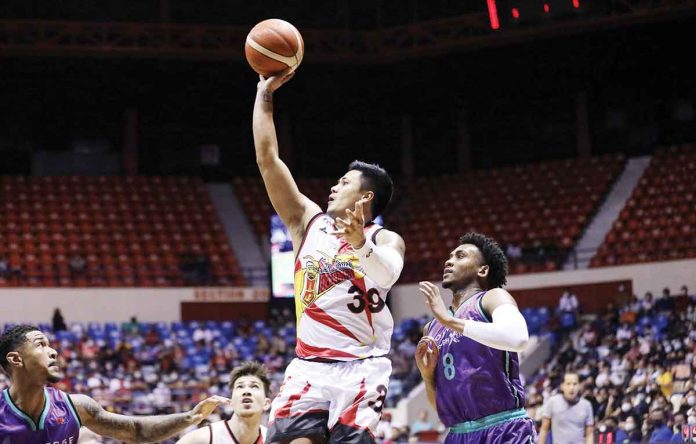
(250, 398)
(334, 390)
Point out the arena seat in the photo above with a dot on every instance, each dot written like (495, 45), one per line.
(657, 223)
(130, 231)
(542, 208)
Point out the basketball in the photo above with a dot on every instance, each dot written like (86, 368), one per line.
(272, 46)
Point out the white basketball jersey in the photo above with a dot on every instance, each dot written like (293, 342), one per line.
(341, 312)
(221, 433)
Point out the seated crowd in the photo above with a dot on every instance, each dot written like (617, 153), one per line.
(636, 364)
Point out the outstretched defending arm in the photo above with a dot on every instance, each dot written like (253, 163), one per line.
(292, 206)
(140, 429)
(508, 331)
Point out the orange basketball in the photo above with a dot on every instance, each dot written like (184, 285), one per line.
(272, 46)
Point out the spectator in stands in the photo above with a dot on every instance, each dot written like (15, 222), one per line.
(688, 402)
(195, 269)
(657, 425)
(609, 432)
(640, 375)
(58, 321)
(567, 415)
(568, 304)
(684, 291)
(4, 267)
(665, 381)
(513, 251)
(203, 269)
(422, 424)
(606, 402)
(629, 312)
(630, 426)
(666, 302)
(624, 332)
(152, 338)
(31, 363)
(78, 265)
(648, 303)
(691, 416)
(534, 403)
(678, 422)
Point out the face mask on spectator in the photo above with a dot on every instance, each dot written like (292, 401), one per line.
(691, 420)
(691, 400)
(626, 407)
(629, 426)
(602, 428)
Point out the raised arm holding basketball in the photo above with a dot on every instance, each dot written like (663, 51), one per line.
(293, 207)
(345, 265)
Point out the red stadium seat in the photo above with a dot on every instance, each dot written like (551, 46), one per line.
(103, 218)
(656, 206)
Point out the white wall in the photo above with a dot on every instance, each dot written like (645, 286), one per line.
(160, 304)
(407, 301)
(112, 304)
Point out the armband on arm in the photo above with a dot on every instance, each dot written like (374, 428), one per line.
(382, 264)
(508, 331)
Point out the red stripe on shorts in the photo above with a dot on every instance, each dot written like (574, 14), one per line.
(284, 412)
(348, 416)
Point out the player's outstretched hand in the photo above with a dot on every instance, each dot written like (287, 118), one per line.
(434, 301)
(352, 227)
(427, 355)
(271, 84)
(204, 408)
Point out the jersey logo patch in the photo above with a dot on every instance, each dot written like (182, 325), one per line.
(316, 277)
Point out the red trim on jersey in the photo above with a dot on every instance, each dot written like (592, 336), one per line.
(229, 430)
(259, 439)
(304, 350)
(304, 236)
(348, 415)
(324, 318)
(284, 412)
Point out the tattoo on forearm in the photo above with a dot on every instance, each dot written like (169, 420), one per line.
(129, 428)
(158, 428)
(268, 97)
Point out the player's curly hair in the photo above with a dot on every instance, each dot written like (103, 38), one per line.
(252, 368)
(493, 256)
(11, 340)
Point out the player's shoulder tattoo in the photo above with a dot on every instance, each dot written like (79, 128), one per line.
(86, 404)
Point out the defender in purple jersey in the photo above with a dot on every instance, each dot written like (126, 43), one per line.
(468, 354)
(32, 413)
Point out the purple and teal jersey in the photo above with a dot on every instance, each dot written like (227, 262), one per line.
(474, 381)
(58, 423)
